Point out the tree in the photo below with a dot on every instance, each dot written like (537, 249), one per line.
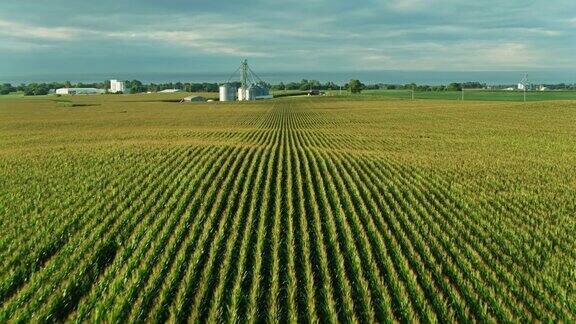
(293, 86)
(454, 87)
(331, 86)
(314, 85)
(36, 89)
(6, 88)
(355, 86)
(136, 86)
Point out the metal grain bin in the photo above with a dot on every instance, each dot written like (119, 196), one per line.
(227, 92)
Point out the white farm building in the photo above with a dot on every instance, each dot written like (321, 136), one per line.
(117, 86)
(194, 99)
(79, 91)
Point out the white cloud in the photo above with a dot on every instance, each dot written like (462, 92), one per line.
(216, 41)
(510, 54)
(467, 55)
(375, 56)
(20, 30)
(410, 5)
(202, 41)
(379, 34)
(537, 31)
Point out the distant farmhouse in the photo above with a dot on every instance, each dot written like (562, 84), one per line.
(170, 91)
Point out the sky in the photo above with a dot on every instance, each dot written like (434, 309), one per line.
(63, 36)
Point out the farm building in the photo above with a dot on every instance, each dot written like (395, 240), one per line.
(194, 99)
(252, 87)
(117, 86)
(79, 91)
(170, 91)
(254, 91)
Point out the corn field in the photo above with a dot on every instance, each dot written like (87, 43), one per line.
(290, 210)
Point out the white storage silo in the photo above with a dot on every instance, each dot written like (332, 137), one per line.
(242, 94)
(227, 92)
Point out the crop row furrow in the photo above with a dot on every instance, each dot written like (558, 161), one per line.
(71, 263)
(165, 289)
(123, 235)
(306, 291)
(118, 292)
(485, 248)
(254, 281)
(165, 264)
(430, 212)
(217, 261)
(213, 231)
(88, 237)
(31, 262)
(325, 228)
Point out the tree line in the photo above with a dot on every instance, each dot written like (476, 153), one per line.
(38, 89)
(132, 86)
(354, 86)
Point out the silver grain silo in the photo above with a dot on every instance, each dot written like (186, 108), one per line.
(243, 94)
(227, 92)
(257, 91)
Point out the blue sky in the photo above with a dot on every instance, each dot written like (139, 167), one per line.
(61, 36)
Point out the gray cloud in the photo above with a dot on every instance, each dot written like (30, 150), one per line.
(317, 35)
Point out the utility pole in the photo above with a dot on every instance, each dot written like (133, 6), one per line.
(244, 78)
(462, 93)
(524, 93)
(524, 83)
(412, 93)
